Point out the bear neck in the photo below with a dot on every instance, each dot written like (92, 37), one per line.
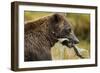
(52, 39)
(48, 34)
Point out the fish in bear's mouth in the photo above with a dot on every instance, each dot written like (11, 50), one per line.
(69, 44)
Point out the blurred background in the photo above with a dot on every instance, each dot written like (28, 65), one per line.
(81, 26)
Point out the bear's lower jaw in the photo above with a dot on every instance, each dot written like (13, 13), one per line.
(66, 42)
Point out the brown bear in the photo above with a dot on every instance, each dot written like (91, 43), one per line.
(42, 34)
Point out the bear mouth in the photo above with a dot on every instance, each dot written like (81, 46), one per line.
(66, 42)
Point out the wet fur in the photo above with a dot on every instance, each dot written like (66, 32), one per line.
(40, 36)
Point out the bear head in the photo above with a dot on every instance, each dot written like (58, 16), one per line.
(61, 30)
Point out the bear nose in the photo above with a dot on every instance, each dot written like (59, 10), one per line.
(76, 41)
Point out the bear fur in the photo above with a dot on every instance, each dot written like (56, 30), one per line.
(42, 34)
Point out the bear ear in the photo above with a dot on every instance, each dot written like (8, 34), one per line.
(57, 17)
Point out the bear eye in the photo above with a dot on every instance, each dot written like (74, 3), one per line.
(69, 30)
(66, 31)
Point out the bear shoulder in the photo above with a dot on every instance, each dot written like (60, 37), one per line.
(33, 24)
